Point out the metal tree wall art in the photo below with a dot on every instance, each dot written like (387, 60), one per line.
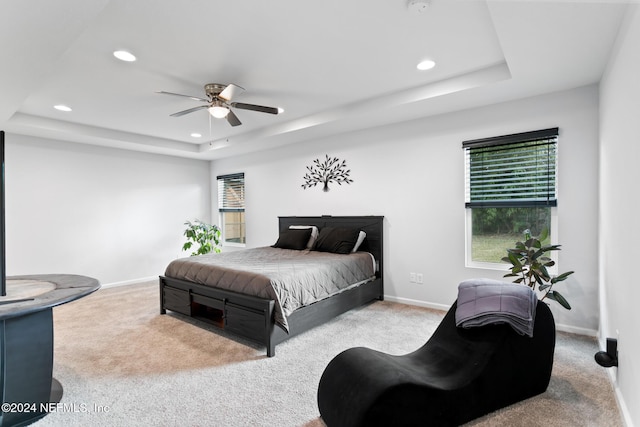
(330, 170)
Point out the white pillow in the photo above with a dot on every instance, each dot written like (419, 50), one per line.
(361, 237)
(314, 233)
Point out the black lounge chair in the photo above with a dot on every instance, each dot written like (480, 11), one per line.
(457, 376)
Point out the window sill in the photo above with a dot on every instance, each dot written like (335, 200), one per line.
(233, 245)
(503, 267)
(496, 266)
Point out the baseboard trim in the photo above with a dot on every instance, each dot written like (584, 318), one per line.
(576, 330)
(445, 307)
(612, 373)
(407, 301)
(130, 282)
(626, 416)
(418, 303)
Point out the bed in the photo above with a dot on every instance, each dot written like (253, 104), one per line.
(244, 295)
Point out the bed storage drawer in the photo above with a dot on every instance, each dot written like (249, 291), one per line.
(251, 324)
(209, 302)
(177, 300)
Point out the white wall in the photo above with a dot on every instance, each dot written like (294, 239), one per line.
(110, 214)
(620, 234)
(413, 174)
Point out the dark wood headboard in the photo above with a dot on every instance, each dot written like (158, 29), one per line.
(372, 225)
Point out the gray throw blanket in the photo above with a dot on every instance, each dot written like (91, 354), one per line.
(485, 301)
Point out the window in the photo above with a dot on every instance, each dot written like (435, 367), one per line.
(231, 208)
(510, 187)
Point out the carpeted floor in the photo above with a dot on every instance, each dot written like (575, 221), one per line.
(123, 364)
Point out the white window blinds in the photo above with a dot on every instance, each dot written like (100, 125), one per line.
(516, 170)
(231, 192)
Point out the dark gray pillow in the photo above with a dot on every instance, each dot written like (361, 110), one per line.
(337, 240)
(293, 239)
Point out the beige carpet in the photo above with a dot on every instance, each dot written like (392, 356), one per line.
(123, 364)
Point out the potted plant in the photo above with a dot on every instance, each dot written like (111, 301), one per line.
(207, 236)
(529, 262)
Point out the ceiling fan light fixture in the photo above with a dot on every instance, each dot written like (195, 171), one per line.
(218, 111)
(220, 101)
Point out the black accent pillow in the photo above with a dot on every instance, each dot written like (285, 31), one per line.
(337, 240)
(293, 239)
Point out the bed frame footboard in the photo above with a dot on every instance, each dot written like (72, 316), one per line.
(244, 315)
(252, 317)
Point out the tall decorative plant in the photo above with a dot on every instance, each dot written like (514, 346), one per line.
(207, 236)
(530, 262)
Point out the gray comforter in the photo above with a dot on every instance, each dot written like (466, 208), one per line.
(292, 278)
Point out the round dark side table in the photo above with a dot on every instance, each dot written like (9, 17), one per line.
(27, 387)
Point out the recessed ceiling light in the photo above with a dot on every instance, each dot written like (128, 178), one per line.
(196, 135)
(427, 64)
(123, 55)
(61, 107)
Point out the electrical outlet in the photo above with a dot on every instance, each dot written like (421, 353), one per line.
(412, 277)
(419, 278)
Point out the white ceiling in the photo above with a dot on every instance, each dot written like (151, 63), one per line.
(333, 65)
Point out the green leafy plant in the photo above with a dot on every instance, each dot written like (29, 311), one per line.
(530, 262)
(207, 236)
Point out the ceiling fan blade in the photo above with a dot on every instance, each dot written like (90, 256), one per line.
(230, 91)
(190, 110)
(252, 107)
(233, 119)
(195, 98)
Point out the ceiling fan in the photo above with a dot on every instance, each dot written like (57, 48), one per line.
(219, 103)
